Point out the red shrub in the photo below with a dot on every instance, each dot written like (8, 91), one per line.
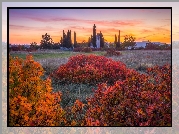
(140, 100)
(81, 49)
(91, 69)
(112, 51)
(98, 49)
(87, 50)
(78, 49)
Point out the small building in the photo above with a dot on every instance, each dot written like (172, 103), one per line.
(140, 44)
(97, 40)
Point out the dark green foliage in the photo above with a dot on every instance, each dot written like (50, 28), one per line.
(46, 42)
(129, 41)
(34, 46)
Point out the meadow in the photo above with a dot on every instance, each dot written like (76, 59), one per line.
(136, 59)
(62, 68)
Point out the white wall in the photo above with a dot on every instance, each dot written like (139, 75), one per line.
(98, 41)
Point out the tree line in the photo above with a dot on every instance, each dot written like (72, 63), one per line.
(128, 43)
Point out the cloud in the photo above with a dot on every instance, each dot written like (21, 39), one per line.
(29, 28)
(146, 31)
(89, 30)
(90, 22)
(161, 29)
(82, 28)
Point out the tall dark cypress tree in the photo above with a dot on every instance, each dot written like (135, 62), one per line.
(94, 36)
(101, 40)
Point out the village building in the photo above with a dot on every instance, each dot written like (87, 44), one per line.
(97, 40)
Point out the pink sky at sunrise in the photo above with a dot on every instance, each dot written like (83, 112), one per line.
(28, 25)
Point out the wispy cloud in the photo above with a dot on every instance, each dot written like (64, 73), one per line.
(18, 27)
(91, 22)
(161, 29)
(139, 23)
(146, 31)
(30, 28)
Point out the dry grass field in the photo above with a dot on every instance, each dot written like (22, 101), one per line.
(138, 60)
(50, 60)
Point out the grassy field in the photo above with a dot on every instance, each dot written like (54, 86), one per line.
(136, 59)
(133, 86)
(142, 59)
(47, 55)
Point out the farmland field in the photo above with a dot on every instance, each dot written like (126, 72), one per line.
(136, 59)
(54, 61)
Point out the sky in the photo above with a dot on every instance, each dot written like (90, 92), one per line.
(28, 25)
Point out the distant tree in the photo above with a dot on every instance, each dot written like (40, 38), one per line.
(34, 46)
(101, 40)
(19, 47)
(118, 45)
(56, 45)
(113, 45)
(22, 47)
(10, 47)
(89, 42)
(152, 46)
(165, 47)
(84, 44)
(46, 42)
(76, 45)
(129, 41)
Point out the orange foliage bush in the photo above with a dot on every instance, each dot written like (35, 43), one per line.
(133, 99)
(31, 101)
(75, 115)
